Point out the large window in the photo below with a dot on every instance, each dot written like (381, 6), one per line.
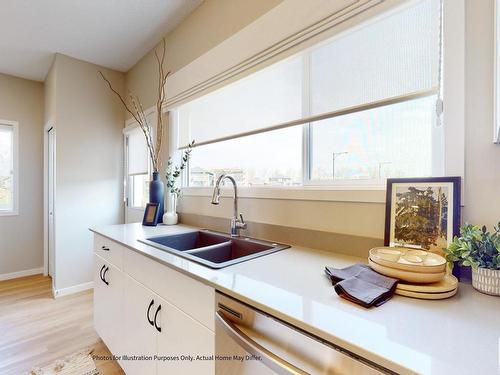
(272, 158)
(355, 109)
(389, 141)
(8, 168)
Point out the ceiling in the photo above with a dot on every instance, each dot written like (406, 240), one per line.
(111, 33)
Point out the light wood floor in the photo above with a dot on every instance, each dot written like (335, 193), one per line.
(36, 329)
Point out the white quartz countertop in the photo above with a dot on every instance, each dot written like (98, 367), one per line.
(460, 335)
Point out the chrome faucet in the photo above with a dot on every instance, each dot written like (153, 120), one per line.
(237, 221)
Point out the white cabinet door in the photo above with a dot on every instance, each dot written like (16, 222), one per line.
(108, 290)
(183, 339)
(139, 331)
(101, 300)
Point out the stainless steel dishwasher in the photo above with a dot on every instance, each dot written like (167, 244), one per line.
(250, 342)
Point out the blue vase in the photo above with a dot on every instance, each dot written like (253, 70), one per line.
(157, 193)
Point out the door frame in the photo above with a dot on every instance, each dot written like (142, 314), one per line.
(48, 126)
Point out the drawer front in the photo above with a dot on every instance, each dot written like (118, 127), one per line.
(109, 250)
(192, 297)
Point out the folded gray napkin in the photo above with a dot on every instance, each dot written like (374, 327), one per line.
(361, 285)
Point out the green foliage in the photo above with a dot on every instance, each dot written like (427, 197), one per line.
(174, 172)
(476, 247)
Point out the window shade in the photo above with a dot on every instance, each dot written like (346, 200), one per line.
(395, 55)
(137, 152)
(268, 97)
(390, 57)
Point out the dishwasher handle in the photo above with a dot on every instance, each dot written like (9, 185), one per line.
(271, 360)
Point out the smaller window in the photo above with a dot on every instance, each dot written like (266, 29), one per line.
(8, 168)
(137, 169)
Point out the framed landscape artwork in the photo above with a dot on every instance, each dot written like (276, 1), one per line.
(422, 213)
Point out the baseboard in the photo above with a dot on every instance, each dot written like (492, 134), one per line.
(72, 289)
(15, 275)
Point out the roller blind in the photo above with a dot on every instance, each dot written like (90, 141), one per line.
(137, 152)
(271, 96)
(394, 55)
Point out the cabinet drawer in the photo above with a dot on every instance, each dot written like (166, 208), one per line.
(191, 296)
(109, 250)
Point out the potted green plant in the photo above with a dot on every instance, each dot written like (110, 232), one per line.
(479, 249)
(173, 172)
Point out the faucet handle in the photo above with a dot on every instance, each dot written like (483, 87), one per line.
(241, 222)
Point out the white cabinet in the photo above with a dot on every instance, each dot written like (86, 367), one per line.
(194, 298)
(181, 337)
(108, 292)
(139, 332)
(109, 250)
(137, 318)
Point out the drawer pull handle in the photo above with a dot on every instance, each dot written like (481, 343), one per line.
(104, 276)
(147, 313)
(271, 360)
(156, 315)
(105, 248)
(100, 273)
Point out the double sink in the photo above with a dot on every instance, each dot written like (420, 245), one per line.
(213, 249)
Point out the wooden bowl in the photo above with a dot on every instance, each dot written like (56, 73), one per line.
(432, 263)
(412, 277)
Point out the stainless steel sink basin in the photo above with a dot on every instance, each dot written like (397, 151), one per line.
(212, 249)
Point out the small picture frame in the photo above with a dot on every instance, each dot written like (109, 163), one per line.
(422, 213)
(151, 214)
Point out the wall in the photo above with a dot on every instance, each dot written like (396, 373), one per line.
(360, 220)
(482, 157)
(21, 236)
(211, 23)
(89, 153)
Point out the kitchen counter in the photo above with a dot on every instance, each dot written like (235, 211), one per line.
(460, 335)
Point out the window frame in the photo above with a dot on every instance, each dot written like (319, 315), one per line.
(453, 122)
(15, 167)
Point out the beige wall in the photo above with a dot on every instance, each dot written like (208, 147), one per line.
(21, 236)
(89, 153)
(482, 180)
(211, 23)
(482, 157)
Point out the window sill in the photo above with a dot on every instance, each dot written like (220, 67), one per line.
(9, 213)
(136, 208)
(362, 194)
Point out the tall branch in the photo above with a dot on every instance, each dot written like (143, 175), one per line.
(119, 96)
(137, 112)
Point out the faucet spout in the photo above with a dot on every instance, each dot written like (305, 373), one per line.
(237, 221)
